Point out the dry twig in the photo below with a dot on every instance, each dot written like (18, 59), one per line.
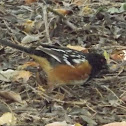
(72, 26)
(46, 23)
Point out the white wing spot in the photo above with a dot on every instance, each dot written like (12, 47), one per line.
(59, 50)
(55, 58)
(77, 61)
(69, 51)
(65, 56)
(67, 62)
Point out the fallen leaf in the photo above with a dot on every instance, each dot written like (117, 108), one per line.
(86, 11)
(116, 57)
(57, 124)
(28, 26)
(39, 23)
(114, 102)
(32, 26)
(80, 2)
(78, 48)
(117, 10)
(11, 96)
(63, 11)
(30, 38)
(123, 98)
(77, 124)
(8, 119)
(113, 10)
(14, 75)
(22, 74)
(7, 75)
(88, 120)
(116, 124)
(30, 1)
(119, 55)
(124, 54)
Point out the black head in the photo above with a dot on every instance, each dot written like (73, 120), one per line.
(97, 61)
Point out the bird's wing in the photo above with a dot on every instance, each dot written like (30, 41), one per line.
(63, 55)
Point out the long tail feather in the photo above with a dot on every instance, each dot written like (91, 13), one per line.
(19, 47)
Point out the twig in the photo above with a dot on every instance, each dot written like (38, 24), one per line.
(46, 23)
(118, 66)
(6, 24)
(99, 92)
(72, 26)
(115, 46)
(91, 108)
(113, 94)
(13, 117)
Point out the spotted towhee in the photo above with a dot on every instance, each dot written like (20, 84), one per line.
(63, 65)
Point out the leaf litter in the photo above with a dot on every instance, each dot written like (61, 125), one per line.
(92, 25)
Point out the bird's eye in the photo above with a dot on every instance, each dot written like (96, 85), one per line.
(102, 60)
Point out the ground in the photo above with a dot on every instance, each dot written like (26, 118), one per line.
(96, 25)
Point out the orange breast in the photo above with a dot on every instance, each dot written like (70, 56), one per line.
(63, 74)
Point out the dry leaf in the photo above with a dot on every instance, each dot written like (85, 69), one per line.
(119, 55)
(63, 11)
(28, 26)
(57, 124)
(77, 124)
(124, 54)
(14, 75)
(123, 98)
(25, 75)
(30, 1)
(30, 38)
(39, 23)
(86, 11)
(7, 75)
(81, 2)
(11, 96)
(8, 119)
(116, 57)
(78, 48)
(116, 124)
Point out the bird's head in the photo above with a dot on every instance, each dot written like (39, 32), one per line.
(98, 63)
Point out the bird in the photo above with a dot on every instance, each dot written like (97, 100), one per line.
(63, 66)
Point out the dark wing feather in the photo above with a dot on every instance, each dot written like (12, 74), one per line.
(64, 55)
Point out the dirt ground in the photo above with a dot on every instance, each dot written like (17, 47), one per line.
(96, 26)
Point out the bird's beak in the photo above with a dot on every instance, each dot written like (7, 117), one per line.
(106, 67)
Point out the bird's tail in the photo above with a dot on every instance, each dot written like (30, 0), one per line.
(19, 47)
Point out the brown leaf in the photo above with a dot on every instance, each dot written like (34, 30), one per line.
(64, 11)
(28, 26)
(78, 48)
(22, 74)
(30, 1)
(119, 55)
(11, 96)
(123, 98)
(116, 124)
